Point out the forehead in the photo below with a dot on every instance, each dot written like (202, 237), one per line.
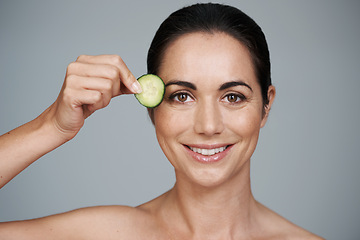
(200, 55)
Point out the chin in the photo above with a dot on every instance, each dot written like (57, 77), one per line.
(209, 178)
(216, 175)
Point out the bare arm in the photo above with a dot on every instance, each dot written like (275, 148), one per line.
(106, 222)
(89, 85)
(25, 144)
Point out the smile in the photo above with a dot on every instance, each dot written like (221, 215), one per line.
(207, 152)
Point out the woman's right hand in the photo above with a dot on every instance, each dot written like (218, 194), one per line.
(90, 83)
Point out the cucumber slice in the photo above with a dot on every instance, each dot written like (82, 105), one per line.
(153, 90)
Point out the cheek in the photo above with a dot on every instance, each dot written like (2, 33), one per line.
(169, 123)
(245, 123)
(170, 126)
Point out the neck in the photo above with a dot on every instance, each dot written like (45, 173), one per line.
(221, 210)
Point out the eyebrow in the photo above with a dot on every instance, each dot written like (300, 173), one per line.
(234, 84)
(222, 87)
(181, 83)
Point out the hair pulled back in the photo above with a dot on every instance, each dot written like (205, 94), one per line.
(212, 18)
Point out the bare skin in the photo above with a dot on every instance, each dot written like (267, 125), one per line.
(210, 200)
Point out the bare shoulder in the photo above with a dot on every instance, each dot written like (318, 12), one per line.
(103, 222)
(281, 228)
(114, 222)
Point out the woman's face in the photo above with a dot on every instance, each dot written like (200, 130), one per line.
(209, 121)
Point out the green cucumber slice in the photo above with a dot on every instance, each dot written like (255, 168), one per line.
(153, 90)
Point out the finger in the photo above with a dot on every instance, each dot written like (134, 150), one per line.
(88, 74)
(103, 85)
(78, 83)
(126, 76)
(93, 70)
(89, 100)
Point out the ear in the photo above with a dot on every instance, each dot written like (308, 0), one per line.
(271, 97)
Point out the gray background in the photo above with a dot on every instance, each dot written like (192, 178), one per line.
(307, 162)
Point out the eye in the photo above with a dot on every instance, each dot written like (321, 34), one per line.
(234, 98)
(181, 97)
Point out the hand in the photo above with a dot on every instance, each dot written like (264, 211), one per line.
(90, 83)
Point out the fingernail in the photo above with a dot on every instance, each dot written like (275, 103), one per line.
(136, 87)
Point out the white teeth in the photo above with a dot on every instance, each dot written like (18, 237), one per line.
(208, 152)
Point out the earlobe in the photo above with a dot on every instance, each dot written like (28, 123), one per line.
(271, 98)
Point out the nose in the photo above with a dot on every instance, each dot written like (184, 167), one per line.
(208, 119)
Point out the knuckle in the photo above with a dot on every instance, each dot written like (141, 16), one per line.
(97, 96)
(67, 95)
(116, 60)
(80, 57)
(108, 85)
(70, 68)
(113, 73)
(70, 81)
(70, 78)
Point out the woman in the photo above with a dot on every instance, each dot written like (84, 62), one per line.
(215, 64)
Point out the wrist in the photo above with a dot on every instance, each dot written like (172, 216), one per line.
(48, 129)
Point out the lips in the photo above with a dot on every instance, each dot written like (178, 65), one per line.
(208, 154)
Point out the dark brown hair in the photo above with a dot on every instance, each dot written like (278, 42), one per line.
(212, 18)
